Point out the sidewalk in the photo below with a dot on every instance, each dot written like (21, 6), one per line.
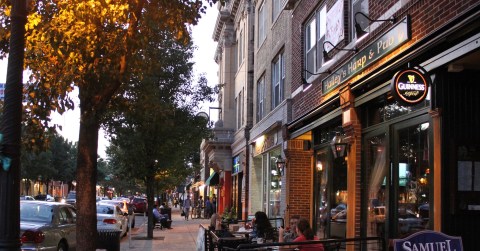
(182, 236)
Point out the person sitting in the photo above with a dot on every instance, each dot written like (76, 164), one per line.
(290, 233)
(159, 218)
(304, 233)
(262, 228)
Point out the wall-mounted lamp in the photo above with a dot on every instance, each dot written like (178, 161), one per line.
(326, 57)
(319, 165)
(339, 146)
(307, 85)
(280, 165)
(358, 29)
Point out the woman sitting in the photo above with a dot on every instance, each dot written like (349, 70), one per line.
(304, 233)
(262, 228)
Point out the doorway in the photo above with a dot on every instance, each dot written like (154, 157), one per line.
(397, 178)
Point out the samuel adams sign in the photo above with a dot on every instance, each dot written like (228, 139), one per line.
(410, 86)
(428, 241)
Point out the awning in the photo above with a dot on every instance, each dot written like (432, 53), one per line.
(212, 180)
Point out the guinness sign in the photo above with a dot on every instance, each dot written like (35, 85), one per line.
(410, 86)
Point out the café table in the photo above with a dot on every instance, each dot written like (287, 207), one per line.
(224, 238)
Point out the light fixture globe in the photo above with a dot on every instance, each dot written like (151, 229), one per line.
(339, 146)
(280, 165)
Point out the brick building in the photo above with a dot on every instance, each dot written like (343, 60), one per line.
(391, 82)
(403, 99)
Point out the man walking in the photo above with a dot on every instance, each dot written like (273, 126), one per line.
(186, 206)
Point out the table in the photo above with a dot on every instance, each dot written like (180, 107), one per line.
(223, 238)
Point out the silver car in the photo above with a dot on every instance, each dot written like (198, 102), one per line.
(47, 226)
(111, 217)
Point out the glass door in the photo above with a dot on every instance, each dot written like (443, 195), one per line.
(411, 176)
(375, 145)
(320, 192)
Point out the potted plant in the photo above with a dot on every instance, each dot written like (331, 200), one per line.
(230, 215)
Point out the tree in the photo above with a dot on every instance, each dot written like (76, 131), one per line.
(90, 45)
(156, 131)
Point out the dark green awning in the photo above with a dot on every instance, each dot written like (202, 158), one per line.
(213, 180)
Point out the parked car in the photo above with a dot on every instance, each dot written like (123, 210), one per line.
(126, 207)
(140, 204)
(26, 197)
(47, 225)
(71, 198)
(408, 222)
(45, 197)
(111, 217)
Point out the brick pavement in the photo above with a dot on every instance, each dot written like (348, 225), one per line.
(182, 236)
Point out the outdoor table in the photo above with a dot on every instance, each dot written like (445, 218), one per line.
(223, 238)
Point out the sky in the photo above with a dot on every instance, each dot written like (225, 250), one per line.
(204, 63)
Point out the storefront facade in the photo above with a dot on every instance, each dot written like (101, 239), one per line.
(409, 165)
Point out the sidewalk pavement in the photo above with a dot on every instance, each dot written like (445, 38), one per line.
(182, 236)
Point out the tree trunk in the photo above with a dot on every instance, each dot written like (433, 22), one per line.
(150, 195)
(86, 182)
(11, 130)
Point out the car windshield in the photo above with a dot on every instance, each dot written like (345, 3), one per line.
(71, 196)
(104, 209)
(35, 212)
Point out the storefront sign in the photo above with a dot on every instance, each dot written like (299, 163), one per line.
(428, 240)
(236, 164)
(410, 86)
(391, 40)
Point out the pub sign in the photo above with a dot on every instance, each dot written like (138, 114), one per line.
(410, 86)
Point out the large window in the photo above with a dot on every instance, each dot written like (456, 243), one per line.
(240, 49)
(261, 24)
(278, 80)
(239, 109)
(315, 30)
(260, 98)
(276, 9)
(359, 6)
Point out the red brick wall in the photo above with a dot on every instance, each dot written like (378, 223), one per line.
(299, 183)
(427, 17)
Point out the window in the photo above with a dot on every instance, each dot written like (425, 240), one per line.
(278, 79)
(276, 9)
(359, 6)
(236, 58)
(239, 109)
(315, 30)
(240, 49)
(261, 24)
(260, 98)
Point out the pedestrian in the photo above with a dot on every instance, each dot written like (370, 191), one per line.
(208, 208)
(186, 206)
(214, 204)
(199, 207)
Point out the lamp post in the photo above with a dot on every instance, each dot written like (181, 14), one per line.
(11, 130)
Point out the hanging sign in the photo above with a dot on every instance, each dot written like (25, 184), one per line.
(388, 42)
(410, 86)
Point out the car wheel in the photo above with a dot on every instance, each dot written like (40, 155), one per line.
(62, 247)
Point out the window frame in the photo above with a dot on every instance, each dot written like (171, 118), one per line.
(261, 98)
(261, 24)
(314, 38)
(278, 79)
